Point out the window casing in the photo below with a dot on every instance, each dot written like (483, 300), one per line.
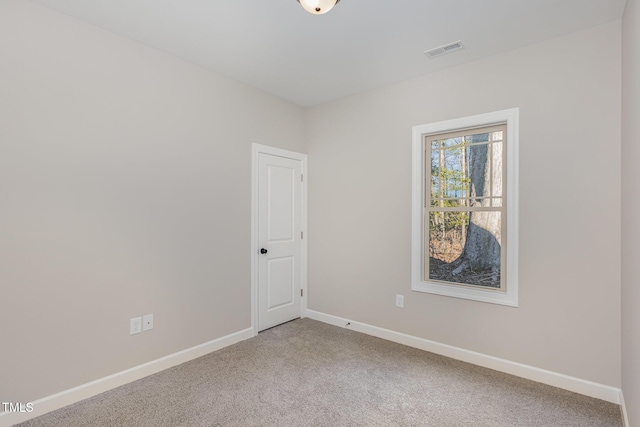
(465, 208)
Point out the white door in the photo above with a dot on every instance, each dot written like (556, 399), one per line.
(279, 239)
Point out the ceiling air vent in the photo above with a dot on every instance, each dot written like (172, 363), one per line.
(443, 50)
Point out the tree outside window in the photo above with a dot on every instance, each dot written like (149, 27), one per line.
(465, 206)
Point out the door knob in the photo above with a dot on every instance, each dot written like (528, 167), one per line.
(263, 251)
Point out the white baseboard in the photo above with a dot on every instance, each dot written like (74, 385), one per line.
(623, 409)
(76, 394)
(577, 385)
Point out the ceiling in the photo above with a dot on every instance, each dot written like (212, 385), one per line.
(276, 46)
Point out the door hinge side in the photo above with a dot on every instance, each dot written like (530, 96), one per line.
(301, 292)
(302, 234)
(301, 177)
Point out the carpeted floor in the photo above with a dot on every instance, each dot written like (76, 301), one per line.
(307, 373)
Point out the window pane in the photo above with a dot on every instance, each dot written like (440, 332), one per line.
(476, 138)
(436, 184)
(446, 142)
(496, 169)
(466, 171)
(465, 248)
(447, 233)
(450, 184)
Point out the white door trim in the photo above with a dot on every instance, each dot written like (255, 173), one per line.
(258, 149)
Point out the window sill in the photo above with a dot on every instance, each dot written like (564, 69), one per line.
(492, 296)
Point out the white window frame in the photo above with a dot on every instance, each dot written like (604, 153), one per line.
(508, 296)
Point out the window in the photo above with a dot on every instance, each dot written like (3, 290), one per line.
(465, 208)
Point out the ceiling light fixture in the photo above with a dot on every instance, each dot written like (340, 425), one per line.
(318, 7)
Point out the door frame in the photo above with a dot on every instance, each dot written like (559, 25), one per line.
(258, 149)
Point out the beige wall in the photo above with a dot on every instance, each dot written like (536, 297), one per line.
(124, 190)
(568, 91)
(631, 210)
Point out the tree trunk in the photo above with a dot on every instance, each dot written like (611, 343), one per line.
(482, 247)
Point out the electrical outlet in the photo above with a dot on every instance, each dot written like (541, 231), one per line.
(399, 300)
(147, 322)
(135, 325)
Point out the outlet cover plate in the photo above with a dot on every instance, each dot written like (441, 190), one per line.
(147, 322)
(135, 325)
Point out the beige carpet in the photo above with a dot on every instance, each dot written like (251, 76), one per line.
(306, 373)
